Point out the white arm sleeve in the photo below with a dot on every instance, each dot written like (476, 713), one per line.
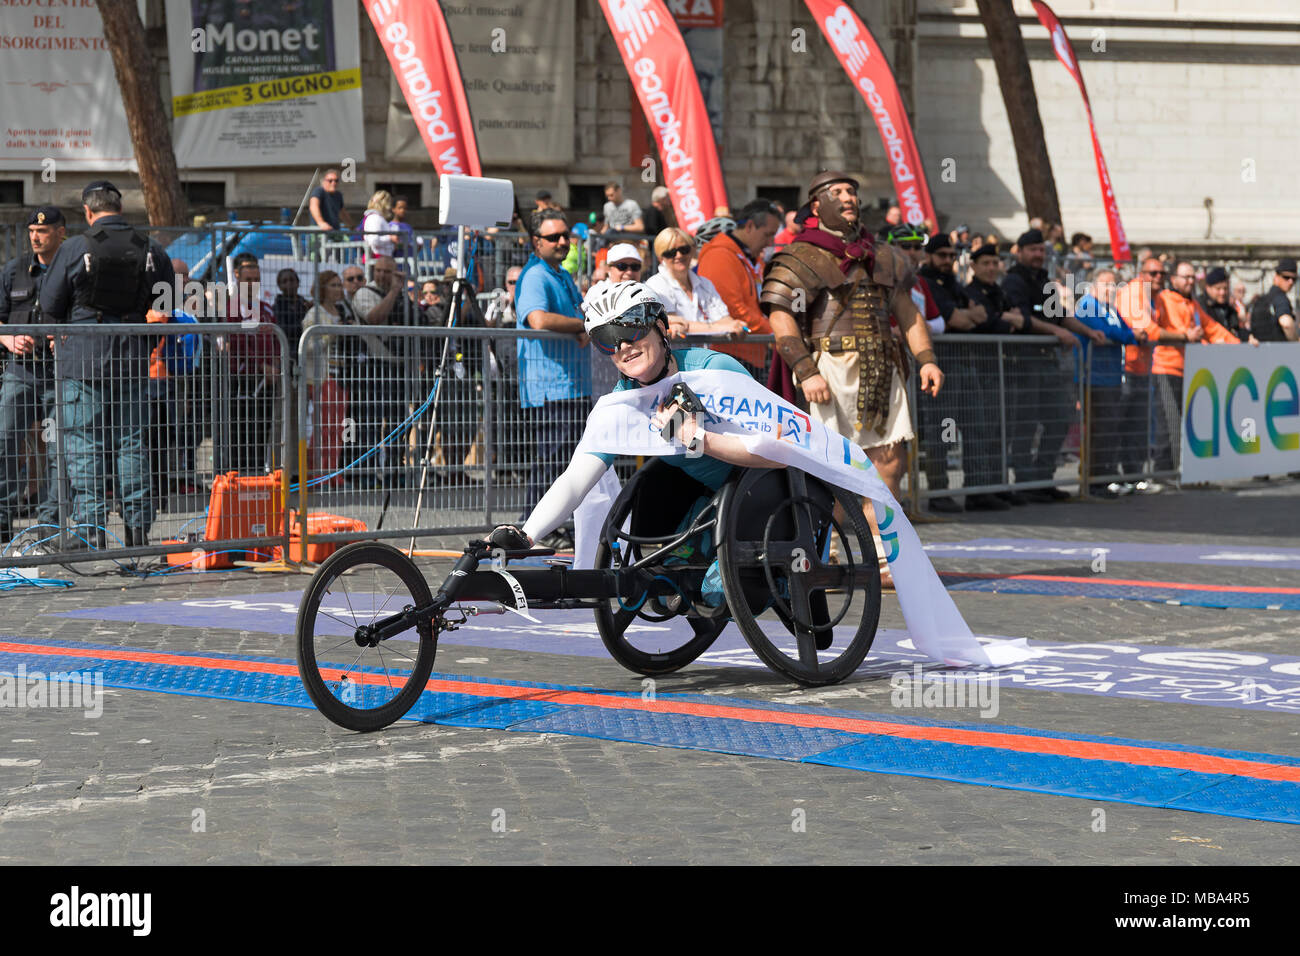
(565, 495)
(935, 325)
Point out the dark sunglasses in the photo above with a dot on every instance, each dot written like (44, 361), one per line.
(355, 279)
(1151, 273)
(626, 266)
(611, 335)
(674, 253)
(555, 236)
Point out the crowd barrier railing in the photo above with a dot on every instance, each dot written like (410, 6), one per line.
(113, 439)
(402, 432)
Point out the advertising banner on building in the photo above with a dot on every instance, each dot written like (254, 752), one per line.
(60, 107)
(867, 67)
(1065, 53)
(666, 86)
(1241, 411)
(261, 84)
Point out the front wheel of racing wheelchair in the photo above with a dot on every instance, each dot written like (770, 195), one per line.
(775, 531)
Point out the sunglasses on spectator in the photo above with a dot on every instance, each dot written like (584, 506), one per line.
(332, 179)
(1154, 272)
(626, 266)
(555, 236)
(355, 279)
(510, 281)
(674, 253)
(1289, 278)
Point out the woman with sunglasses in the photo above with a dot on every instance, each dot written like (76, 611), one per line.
(627, 322)
(692, 301)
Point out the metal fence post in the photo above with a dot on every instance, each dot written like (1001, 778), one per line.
(1002, 413)
(1085, 422)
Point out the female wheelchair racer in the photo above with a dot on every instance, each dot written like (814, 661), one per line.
(712, 535)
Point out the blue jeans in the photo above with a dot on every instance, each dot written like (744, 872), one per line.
(100, 421)
(25, 398)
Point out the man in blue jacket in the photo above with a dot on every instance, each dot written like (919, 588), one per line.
(1102, 371)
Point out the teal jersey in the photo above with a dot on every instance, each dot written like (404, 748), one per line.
(709, 472)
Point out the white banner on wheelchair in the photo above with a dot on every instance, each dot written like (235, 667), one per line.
(778, 431)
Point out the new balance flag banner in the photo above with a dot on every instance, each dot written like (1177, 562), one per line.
(869, 70)
(1065, 53)
(736, 405)
(662, 74)
(418, 45)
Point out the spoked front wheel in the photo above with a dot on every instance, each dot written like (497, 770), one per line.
(355, 681)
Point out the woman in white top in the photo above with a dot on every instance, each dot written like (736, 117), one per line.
(380, 231)
(692, 301)
(322, 369)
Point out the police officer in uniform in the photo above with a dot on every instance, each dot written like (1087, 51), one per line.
(105, 275)
(27, 388)
(1273, 318)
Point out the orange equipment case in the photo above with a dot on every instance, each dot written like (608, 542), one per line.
(318, 523)
(246, 506)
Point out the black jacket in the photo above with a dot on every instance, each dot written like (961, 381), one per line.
(994, 300)
(1027, 290)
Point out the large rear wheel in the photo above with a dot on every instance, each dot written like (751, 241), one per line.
(780, 529)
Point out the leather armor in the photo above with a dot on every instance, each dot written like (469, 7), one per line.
(844, 313)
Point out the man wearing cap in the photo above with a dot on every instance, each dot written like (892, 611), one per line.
(829, 295)
(967, 400)
(1039, 389)
(1217, 302)
(1272, 319)
(27, 389)
(107, 274)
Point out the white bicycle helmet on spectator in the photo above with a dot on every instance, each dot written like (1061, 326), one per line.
(616, 312)
(711, 227)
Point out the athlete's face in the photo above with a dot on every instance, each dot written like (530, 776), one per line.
(643, 359)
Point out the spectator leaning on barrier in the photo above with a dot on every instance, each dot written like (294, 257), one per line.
(1136, 303)
(999, 318)
(323, 368)
(733, 262)
(965, 398)
(1104, 379)
(378, 390)
(1181, 321)
(1218, 304)
(354, 278)
(173, 434)
(691, 301)
(27, 390)
(554, 375)
(326, 203)
(289, 307)
(106, 274)
(1273, 318)
(622, 215)
(380, 232)
(1039, 391)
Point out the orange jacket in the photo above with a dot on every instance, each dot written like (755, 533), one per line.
(1133, 302)
(737, 278)
(1177, 313)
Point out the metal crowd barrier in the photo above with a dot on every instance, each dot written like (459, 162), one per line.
(355, 434)
(90, 450)
(1018, 413)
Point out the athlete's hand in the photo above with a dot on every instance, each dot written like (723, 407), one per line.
(816, 390)
(510, 538)
(931, 378)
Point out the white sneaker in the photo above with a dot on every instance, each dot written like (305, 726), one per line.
(1148, 487)
(1119, 489)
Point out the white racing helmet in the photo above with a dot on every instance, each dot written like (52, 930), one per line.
(622, 311)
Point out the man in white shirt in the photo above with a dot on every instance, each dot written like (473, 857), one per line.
(621, 215)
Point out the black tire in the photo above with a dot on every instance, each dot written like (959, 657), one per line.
(791, 509)
(613, 617)
(367, 688)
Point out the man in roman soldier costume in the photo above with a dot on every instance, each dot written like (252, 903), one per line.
(829, 295)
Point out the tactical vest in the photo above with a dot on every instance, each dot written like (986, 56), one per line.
(25, 309)
(115, 283)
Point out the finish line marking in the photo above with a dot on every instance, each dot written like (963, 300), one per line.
(1255, 786)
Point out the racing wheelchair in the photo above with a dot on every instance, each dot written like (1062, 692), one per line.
(784, 542)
